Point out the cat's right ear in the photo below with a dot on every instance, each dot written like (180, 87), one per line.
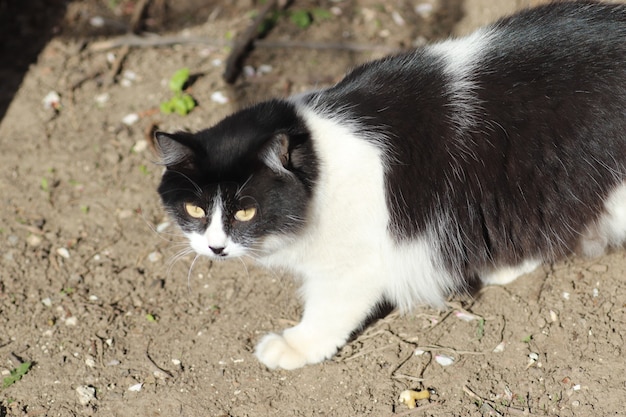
(175, 150)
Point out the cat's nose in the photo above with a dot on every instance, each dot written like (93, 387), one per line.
(218, 250)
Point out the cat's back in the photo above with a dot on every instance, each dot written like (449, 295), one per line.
(515, 132)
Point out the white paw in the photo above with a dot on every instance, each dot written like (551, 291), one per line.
(291, 350)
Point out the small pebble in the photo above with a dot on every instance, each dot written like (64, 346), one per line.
(102, 99)
(155, 256)
(444, 360)
(130, 119)
(219, 97)
(86, 394)
(71, 321)
(140, 146)
(52, 100)
(136, 387)
(566, 295)
(63, 252)
(33, 240)
(500, 347)
(47, 302)
(97, 21)
(553, 316)
(90, 362)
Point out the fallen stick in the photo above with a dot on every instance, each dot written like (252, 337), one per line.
(135, 41)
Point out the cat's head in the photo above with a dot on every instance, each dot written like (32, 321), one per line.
(241, 184)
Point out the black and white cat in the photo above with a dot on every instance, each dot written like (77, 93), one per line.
(474, 158)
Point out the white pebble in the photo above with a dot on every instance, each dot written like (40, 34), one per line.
(465, 316)
(85, 394)
(397, 18)
(219, 97)
(176, 362)
(140, 146)
(155, 256)
(102, 99)
(33, 240)
(265, 69)
(93, 298)
(566, 295)
(130, 75)
(576, 387)
(553, 316)
(534, 356)
(444, 360)
(97, 21)
(71, 321)
(596, 292)
(249, 71)
(52, 100)
(90, 362)
(500, 347)
(64, 253)
(424, 9)
(136, 387)
(113, 362)
(216, 62)
(130, 119)
(47, 302)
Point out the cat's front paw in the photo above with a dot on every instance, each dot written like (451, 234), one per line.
(289, 351)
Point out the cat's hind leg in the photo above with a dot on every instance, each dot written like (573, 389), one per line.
(333, 310)
(507, 274)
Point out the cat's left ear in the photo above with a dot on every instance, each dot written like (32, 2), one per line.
(275, 153)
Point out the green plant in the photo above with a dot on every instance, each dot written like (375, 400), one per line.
(16, 374)
(182, 103)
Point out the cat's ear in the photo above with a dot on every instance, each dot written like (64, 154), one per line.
(175, 150)
(275, 153)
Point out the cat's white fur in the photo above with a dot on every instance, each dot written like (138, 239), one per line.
(346, 247)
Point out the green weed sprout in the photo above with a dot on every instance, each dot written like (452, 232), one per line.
(182, 103)
(16, 374)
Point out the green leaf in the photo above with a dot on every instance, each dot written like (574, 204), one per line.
(301, 18)
(178, 80)
(16, 374)
(167, 107)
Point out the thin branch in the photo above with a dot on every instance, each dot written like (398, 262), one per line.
(152, 41)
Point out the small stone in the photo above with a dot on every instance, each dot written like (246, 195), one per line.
(71, 321)
(136, 387)
(130, 119)
(155, 256)
(219, 97)
(33, 240)
(444, 360)
(47, 302)
(90, 362)
(86, 394)
(140, 146)
(63, 252)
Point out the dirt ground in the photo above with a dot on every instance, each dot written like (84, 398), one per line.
(92, 292)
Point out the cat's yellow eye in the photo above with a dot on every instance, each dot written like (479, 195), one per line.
(245, 215)
(194, 211)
